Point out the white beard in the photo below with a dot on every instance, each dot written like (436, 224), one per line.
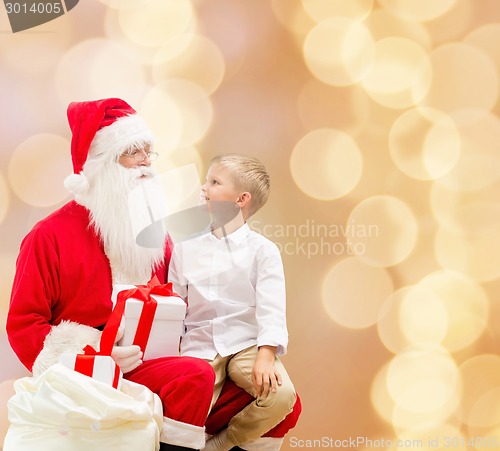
(114, 212)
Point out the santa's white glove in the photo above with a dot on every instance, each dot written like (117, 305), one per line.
(128, 358)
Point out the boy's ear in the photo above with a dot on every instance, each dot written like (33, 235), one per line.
(244, 199)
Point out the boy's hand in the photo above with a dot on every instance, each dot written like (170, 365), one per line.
(265, 378)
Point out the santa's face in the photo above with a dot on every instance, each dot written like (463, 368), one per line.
(126, 179)
(137, 156)
(115, 209)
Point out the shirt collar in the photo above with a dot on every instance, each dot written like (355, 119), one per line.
(238, 235)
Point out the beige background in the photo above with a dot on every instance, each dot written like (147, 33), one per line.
(379, 123)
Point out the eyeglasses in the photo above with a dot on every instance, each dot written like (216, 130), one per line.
(141, 155)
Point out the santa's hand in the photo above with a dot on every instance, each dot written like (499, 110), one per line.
(127, 358)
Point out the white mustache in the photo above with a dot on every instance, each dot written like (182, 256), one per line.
(143, 171)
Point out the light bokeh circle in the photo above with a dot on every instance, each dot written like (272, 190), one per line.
(485, 413)
(159, 22)
(339, 51)
(382, 230)
(450, 26)
(478, 165)
(472, 212)
(355, 305)
(326, 164)
(477, 87)
(319, 10)
(466, 303)
(481, 381)
(424, 146)
(412, 316)
(422, 428)
(383, 24)
(477, 255)
(179, 113)
(37, 169)
(379, 394)
(114, 33)
(182, 156)
(423, 318)
(420, 11)
(401, 74)
(4, 198)
(485, 38)
(428, 432)
(98, 69)
(292, 16)
(181, 58)
(424, 381)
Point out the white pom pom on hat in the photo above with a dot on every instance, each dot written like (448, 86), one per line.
(76, 183)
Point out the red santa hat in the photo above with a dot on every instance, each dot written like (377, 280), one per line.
(101, 129)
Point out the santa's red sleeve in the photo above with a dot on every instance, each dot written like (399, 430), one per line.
(35, 286)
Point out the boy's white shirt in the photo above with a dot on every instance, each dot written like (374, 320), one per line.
(235, 290)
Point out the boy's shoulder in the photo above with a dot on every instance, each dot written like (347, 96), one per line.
(261, 240)
(258, 235)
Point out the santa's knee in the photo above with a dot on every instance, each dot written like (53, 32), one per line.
(193, 381)
(199, 374)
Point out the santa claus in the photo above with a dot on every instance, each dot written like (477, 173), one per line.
(61, 296)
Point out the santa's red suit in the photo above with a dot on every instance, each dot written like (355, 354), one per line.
(61, 297)
(63, 274)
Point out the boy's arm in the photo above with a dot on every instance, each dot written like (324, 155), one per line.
(272, 336)
(270, 301)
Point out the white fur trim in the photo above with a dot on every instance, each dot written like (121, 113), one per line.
(263, 444)
(67, 336)
(121, 134)
(182, 434)
(76, 183)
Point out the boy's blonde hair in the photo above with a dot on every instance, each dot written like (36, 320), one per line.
(250, 175)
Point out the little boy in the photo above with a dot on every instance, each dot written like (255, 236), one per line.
(233, 282)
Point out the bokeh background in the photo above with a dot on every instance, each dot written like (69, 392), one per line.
(379, 123)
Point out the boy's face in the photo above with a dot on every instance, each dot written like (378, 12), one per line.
(219, 185)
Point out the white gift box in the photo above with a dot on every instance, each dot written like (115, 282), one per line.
(167, 326)
(102, 367)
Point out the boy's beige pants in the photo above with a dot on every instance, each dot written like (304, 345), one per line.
(260, 415)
